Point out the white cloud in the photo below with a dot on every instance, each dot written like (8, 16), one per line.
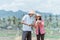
(56, 6)
(42, 5)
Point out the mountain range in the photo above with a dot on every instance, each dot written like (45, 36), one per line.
(20, 13)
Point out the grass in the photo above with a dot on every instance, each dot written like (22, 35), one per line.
(11, 34)
(14, 33)
(8, 33)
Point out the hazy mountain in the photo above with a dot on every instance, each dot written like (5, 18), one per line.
(11, 13)
(20, 13)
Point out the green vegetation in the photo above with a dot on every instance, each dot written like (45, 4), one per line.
(10, 26)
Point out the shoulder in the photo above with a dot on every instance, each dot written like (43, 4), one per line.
(25, 15)
(42, 20)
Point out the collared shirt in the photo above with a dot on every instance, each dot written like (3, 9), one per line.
(41, 26)
(28, 20)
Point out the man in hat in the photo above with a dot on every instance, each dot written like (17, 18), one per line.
(27, 22)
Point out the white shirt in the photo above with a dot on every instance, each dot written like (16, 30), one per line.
(28, 20)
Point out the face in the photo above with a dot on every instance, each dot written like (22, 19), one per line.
(31, 14)
(37, 17)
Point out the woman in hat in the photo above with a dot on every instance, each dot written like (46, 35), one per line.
(39, 26)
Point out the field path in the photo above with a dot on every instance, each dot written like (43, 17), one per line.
(19, 38)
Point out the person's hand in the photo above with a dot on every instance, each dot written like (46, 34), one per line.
(38, 22)
(29, 24)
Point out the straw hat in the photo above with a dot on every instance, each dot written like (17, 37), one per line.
(31, 12)
(38, 15)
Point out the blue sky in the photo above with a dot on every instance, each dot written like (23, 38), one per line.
(52, 6)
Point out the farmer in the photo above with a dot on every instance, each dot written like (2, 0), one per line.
(27, 22)
(39, 26)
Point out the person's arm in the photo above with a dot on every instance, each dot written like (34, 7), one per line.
(26, 23)
(23, 21)
(35, 24)
(41, 23)
(31, 25)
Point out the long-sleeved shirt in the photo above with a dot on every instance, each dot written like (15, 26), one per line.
(39, 26)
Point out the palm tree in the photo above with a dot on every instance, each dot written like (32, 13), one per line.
(14, 20)
(46, 21)
(9, 21)
(50, 18)
(57, 20)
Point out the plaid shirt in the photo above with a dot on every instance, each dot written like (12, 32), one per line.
(41, 26)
